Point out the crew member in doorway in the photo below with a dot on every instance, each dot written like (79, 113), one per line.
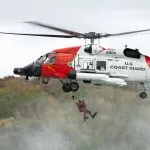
(83, 108)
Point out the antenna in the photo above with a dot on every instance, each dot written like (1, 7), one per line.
(92, 41)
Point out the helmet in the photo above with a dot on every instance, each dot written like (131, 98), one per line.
(80, 101)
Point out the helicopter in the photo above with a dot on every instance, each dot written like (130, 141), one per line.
(91, 63)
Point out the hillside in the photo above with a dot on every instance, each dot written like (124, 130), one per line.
(16, 95)
(42, 117)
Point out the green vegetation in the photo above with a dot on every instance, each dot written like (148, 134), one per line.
(17, 95)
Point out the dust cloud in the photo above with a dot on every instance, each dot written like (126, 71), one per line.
(122, 122)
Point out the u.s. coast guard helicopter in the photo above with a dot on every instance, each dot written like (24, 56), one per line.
(92, 64)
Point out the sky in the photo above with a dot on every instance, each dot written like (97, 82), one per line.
(100, 16)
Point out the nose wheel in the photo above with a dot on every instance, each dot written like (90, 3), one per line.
(68, 87)
(27, 78)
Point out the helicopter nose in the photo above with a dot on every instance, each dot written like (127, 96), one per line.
(29, 70)
(19, 71)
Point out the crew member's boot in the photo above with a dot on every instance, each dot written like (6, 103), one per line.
(93, 116)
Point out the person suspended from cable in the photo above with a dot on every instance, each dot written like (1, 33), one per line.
(83, 108)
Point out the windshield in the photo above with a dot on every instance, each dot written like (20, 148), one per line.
(41, 59)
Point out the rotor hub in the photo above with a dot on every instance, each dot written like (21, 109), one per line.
(93, 35)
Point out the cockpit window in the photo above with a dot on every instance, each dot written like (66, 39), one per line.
(41, 59)
(51, 59)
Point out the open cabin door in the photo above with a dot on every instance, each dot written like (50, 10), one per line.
(88, 65)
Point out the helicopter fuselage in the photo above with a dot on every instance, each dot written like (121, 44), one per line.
(120, 66)
(91, 64)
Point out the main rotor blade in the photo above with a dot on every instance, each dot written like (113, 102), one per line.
(125, 33)
(73, 33)
(43, 35)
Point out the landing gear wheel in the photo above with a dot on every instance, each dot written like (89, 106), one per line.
(143, 95)
(74, 86)
(66, 87)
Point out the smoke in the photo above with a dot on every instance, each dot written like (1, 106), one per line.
(122, 123)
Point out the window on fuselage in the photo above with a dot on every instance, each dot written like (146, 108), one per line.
(101, 65)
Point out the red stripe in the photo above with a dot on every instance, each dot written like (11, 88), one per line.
(103, 49)
(147, 60)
